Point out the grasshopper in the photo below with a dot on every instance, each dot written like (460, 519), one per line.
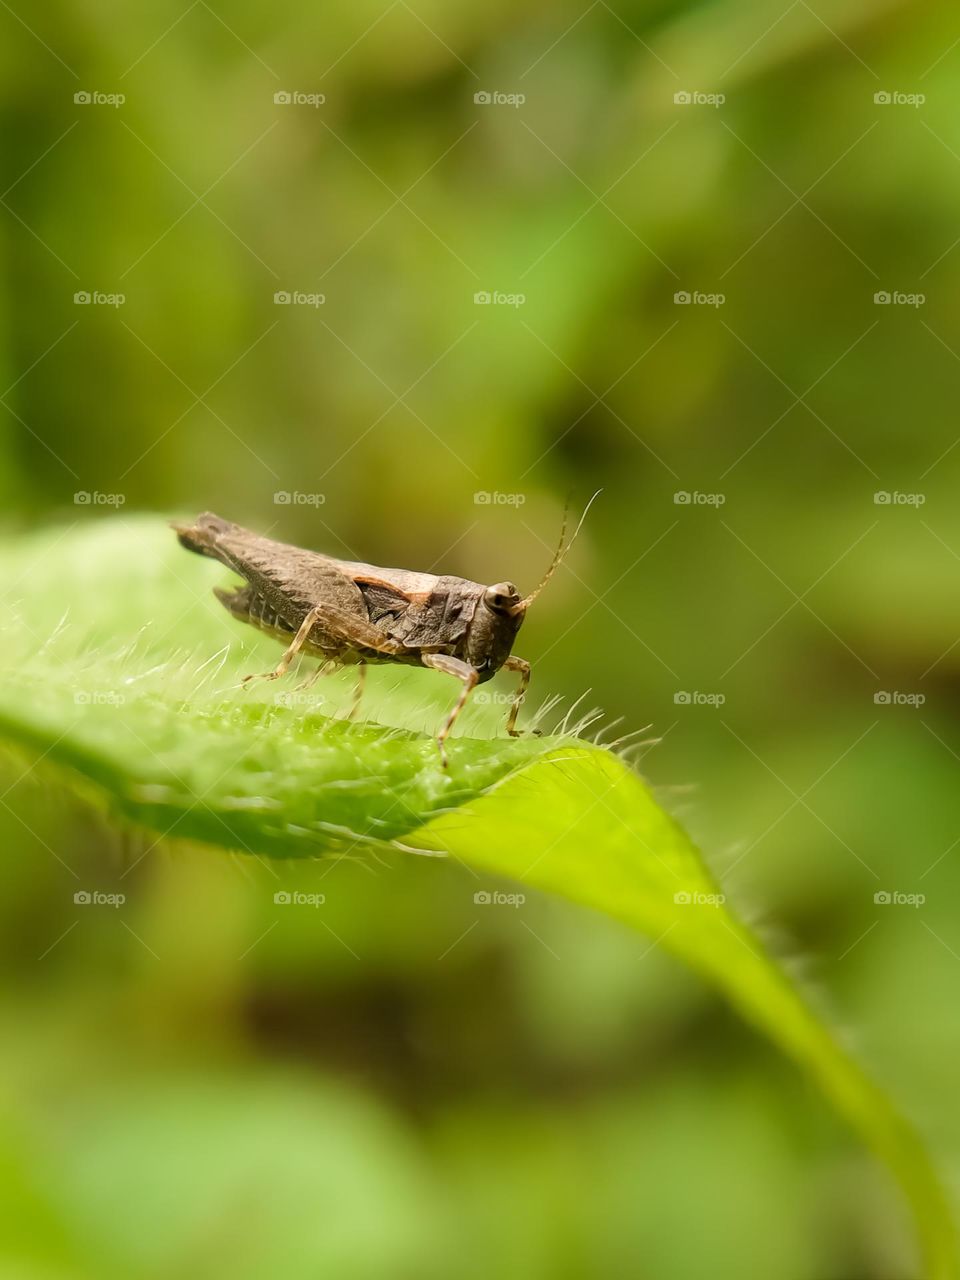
(348, 613)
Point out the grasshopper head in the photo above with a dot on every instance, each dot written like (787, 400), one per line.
(504, 598)
(493, 628)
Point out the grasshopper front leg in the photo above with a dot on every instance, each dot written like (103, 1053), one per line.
(463, 672)
(523, 666)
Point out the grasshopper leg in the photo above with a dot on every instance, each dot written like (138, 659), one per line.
(358, 690)
(353, 631)
(330, 665)
(463, 672)
(291, 651)
(348, 628)
(521, 665)
(323, 668)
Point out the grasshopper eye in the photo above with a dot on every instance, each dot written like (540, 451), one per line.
(503, 597)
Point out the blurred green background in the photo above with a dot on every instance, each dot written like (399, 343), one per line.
(407, 1084)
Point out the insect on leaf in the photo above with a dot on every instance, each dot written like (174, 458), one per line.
(117, 671)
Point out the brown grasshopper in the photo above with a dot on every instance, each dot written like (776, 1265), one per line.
(344, 612)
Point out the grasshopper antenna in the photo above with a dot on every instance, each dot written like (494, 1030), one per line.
(561, 551)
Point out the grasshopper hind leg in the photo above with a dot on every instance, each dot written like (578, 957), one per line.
(291, 651)
(346, 631)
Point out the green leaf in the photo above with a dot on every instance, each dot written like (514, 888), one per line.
(121, 670)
